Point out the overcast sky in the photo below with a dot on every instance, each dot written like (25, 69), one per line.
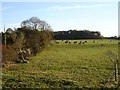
(94, 16)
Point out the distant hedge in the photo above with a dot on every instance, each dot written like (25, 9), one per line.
(77, 34)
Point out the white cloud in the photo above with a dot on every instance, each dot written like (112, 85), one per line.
(75, 7)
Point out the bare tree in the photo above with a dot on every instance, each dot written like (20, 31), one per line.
(35, 23)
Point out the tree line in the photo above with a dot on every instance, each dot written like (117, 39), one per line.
(77, 34)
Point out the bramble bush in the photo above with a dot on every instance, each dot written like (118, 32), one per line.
(8, 54)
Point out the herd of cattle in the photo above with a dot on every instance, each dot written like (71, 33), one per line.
(75, 42)
(78, 42)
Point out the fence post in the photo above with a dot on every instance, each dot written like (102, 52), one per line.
(4, 36)
(118, 65)
(115, 61)
(115, 70)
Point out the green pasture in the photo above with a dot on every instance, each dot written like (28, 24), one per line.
(66, 66)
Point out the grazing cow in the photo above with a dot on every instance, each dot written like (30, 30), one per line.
(101, 44)
(57, 42)
(85, 41)
(75, 42)
(66, 41)
(80, 42)
(69, 42)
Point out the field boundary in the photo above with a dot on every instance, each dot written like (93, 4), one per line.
(114, 58)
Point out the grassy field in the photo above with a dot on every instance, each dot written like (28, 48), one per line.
(66, 66)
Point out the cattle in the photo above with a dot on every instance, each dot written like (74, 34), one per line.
(57, 42)
(66, 41)
(101, 44)
(85, 41)
(119, 43)
(75, 42)
(94, 41)
(69, 42)
(80, 42)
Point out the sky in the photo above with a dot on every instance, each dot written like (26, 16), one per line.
(93, 16)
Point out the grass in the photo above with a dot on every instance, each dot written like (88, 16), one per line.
(65, 66)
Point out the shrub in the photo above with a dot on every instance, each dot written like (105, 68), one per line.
(8, 54)
(36, 40)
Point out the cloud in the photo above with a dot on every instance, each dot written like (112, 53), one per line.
(75, 7)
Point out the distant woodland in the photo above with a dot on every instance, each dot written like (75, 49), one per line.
(75, 34)
(80, 34)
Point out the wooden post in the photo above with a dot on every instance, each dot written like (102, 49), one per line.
(118, 65)
(115, 70)
(4, 36)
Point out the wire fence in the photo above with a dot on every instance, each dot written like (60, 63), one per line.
(114, 58)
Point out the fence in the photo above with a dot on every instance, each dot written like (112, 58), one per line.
(115, 61)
